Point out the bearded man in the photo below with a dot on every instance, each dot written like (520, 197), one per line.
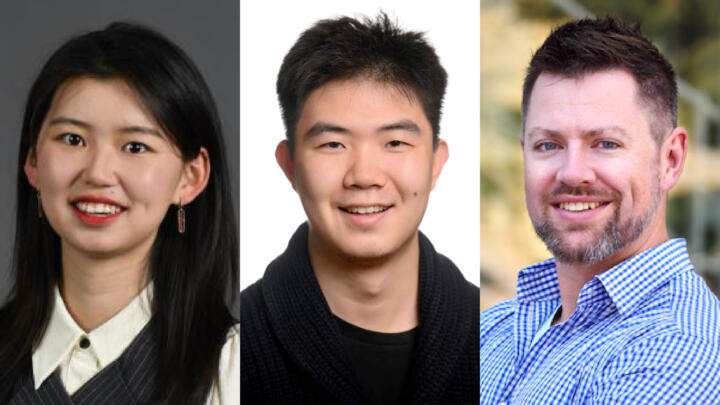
(617, 316)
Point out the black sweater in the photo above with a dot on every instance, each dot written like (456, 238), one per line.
(292, 352)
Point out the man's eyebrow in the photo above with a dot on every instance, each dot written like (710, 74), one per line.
(322, 127)
(586, 133)
(403, 125)
(69, 121)
(601, 130)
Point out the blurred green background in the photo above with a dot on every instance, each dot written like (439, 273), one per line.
(687, 32)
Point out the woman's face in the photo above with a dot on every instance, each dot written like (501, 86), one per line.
(105, 170)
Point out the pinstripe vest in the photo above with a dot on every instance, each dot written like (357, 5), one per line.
(126, 381)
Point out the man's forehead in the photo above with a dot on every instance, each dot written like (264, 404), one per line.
(345, 105)
(604, 101)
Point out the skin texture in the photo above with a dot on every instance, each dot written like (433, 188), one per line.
(361, 143)
(98, 140)
(588, 140)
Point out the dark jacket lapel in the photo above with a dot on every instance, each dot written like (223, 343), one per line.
(303, 323)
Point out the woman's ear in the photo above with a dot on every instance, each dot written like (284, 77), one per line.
(195, 177)
(31, 168)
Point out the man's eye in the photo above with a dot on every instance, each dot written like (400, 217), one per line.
(609, 145)
(332, 145)
(547, 146)
(135, 147)
(72, 139)
(395, 143)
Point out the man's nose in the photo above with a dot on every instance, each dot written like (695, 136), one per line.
(365, 169)
(576, 168)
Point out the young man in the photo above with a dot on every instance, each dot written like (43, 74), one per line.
(617, 316)
(360, 308)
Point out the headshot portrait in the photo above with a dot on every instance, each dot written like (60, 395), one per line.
(355, 302)
(624, 309)
(269, 207)
(121, 283)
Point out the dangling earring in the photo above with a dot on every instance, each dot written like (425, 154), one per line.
(181, 218)
(39, 205)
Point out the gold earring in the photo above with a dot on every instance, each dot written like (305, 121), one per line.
(181, 218)
(39, 205)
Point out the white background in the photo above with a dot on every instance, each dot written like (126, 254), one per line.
(270, 210)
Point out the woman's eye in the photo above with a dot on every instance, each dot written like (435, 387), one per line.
(72, 139)
(135, 147)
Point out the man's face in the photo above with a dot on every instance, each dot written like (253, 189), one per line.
(592, 175)
(364, 166)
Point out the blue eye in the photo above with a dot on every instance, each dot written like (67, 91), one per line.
(72, 139)
(547, 146)
(608, 145)
(135, 147)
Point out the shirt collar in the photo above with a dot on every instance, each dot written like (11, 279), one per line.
(626, 284)
(631, 281)
(108, 340)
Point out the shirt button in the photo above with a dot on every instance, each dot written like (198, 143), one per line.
(84, 343)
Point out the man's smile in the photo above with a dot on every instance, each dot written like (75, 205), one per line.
(365, 209)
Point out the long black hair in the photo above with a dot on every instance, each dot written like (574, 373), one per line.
(195, 275)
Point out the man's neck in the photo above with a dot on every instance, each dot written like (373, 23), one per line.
(95, 289)
(380, 295)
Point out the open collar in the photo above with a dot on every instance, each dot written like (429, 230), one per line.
(626, 284)
(108, 340)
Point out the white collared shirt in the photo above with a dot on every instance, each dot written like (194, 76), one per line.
(61, 350)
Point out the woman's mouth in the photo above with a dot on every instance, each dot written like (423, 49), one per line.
(96, 213)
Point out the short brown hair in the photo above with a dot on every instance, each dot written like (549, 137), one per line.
(588, 45)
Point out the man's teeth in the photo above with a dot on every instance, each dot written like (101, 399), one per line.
(366, 210)
(579, 206)
(97, 209)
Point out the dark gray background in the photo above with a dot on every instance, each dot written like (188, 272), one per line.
(31, 30)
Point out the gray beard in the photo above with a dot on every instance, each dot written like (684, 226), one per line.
(614, 237)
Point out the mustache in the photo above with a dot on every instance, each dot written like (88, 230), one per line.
(564, 189)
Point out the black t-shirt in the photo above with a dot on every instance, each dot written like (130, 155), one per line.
(381, 360)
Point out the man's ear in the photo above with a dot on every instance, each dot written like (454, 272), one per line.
(440, 156)
(673, 152)
(31, 168)
(195, 177)
(284, 158)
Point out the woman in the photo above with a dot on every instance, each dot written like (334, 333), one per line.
(125, 253)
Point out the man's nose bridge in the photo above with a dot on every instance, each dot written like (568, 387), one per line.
(576, 165)
(365, 166)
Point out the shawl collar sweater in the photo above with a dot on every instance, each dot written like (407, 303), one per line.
(292, 351)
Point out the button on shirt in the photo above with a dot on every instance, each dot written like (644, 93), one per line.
(78, 356)
(645, 331)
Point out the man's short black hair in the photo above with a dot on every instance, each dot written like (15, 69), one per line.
(348, 48)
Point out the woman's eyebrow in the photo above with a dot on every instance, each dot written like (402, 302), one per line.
(141, 129)
(69, 121)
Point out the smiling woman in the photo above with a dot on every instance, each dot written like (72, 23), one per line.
(126, 247)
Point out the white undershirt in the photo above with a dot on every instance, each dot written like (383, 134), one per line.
(545, 326)
(60, 349)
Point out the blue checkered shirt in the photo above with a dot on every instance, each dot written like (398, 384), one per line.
(647, 331)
